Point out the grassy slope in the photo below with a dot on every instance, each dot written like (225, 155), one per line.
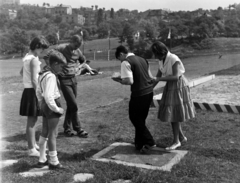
(213, 137)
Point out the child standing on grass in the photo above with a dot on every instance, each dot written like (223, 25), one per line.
(48, 95)
(176, 105)
(29, 105)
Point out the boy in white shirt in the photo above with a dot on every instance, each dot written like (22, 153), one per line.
(48, 94)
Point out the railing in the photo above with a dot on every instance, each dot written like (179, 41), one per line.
(101, 55)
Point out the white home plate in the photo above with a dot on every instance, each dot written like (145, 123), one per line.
(82, 177)
(35, 172)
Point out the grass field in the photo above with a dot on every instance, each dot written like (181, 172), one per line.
(214, 147)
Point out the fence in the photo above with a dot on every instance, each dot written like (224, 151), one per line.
(101, 55)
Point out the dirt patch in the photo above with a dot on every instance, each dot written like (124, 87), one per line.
(221, 90)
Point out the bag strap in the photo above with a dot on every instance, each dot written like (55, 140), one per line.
(40, 82)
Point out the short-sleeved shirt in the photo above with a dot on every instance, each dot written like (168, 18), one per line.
(170, 60)
(27, 81)
(126, 71)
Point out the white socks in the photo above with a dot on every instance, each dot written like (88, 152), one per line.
(53, 157)
(42, 149)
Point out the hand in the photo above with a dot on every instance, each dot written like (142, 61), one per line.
(117, 79)
(61, 110)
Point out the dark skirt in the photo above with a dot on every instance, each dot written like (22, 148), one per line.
(29, 104)
(176, 104)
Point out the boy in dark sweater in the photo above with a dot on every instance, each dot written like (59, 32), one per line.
(135, 72)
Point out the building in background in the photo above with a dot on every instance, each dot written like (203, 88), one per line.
(74, 18)
(90, 15)
(63, 10)
(10, 13)
(2, 2)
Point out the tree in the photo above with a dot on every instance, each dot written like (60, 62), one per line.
(103, 29)
(127, 34)
(99, 16)
(20, 40)
(112, 13)
(58, 19)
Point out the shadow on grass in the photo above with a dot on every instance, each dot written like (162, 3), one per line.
(81, 156)
(235, 70)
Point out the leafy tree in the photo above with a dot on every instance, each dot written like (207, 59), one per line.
(58, 19)
(20, 40)
(127, 34)
(6, 44)
(99, 16)
(103, 29)
(112, 13)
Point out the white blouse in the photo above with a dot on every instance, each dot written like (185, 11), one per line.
(27, 81)
(48, 90)
(170, 60)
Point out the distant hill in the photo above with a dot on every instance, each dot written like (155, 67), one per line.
(221, 46)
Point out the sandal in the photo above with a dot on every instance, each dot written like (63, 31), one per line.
(82, 133)
(68, 133)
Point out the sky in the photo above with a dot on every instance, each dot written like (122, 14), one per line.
(140, 5)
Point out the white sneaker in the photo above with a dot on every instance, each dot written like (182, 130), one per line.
(33, 152)
(36, 147)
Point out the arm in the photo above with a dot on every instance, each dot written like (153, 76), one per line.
(34, 68)
(21, 72)
(49, 93)
(174, 76)
(159, 75)
(126, 74)
(39, 94)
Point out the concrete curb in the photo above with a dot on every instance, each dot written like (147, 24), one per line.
(179, 154)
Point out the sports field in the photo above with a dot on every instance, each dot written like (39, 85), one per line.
(214, 147)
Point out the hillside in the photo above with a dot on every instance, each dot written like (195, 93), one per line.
(221, 46)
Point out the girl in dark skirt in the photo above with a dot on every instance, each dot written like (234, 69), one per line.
(176, 105)
(29, 104)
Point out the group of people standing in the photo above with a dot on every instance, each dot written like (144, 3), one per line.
(41, 95)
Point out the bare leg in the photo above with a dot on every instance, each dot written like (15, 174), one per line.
(181, 134)
(52, 133)
(43, 140)
(30, 131)
(176, 130)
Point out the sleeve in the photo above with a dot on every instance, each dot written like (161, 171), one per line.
(39, 92)
(126, 71)
(50, 86)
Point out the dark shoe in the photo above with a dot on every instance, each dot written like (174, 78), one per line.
(55, 167)
(68, 133)
(83, 134)
(146, 148)
(41, 165)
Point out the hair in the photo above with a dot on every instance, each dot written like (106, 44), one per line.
(39, 42)
(77, 39)
(120, 49)
(56, 57)
(159, 48)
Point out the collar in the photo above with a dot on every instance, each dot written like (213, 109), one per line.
(130, 54)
